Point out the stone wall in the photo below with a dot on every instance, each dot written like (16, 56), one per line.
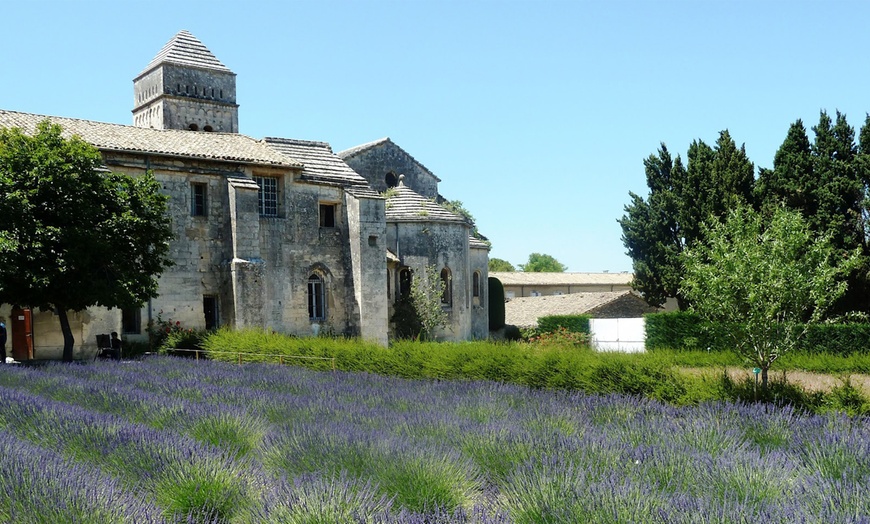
(380, 160)
(422, 244)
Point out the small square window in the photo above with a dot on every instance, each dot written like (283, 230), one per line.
(198, 200)
(327, 215)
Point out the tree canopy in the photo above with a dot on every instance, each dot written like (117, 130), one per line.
(73, 235)
(656, 230)
(541, 263)
(497, 264)
(764, 280)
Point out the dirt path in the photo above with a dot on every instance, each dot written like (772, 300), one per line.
(805, 379)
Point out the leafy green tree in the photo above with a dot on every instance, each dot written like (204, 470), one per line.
(426, 291)
(541, 263)
(73, 236)
(497, 264)
(765, 282)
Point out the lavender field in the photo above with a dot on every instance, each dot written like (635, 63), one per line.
(173, 440)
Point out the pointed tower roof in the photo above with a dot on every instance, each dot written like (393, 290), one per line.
(185, 49)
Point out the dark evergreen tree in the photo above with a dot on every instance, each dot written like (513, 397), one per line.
(656, 230)
(651, 232)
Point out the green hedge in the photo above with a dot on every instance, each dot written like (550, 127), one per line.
(573, 323)
(686, 331)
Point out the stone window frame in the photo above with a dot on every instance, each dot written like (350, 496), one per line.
(447, 290)
(268, 195)
(327, 214)
(198, 199)
(316, 297)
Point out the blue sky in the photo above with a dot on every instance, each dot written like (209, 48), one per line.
(537, 115)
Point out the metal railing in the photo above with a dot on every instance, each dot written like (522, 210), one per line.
(239, 355)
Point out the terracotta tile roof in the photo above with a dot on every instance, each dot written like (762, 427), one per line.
(353, 151)
(519, 278)
(226, 147)
(321, 164)
(185, 49)
(525, 311)
(405, 205)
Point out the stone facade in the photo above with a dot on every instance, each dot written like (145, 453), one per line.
(275, 234)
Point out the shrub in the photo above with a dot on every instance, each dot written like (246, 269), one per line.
(572, 323)
(496, 304)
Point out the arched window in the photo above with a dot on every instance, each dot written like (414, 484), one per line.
(391, 179)
(208, 129)
(405, 277)
(475, 284)
(447, 287)
(316, 298)
(193, 127)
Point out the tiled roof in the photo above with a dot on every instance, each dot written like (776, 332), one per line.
(476, 243)
(321, 164)
(185, 49)
(525, 311)
(227, 147)
(404, 205)
(519, 278)
(353, 151)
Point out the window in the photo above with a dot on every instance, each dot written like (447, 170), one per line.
(198, 199)
(267, 196)
(391, 179)
(327, 215)
(131, 321)
(405, 282)
(210, 311)
(447, 288)
(316, 298)
(475, 284)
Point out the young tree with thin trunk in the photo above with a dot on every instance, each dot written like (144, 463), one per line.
(765, 280)
(72, 235)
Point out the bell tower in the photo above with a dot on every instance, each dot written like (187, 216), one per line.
(186, 87)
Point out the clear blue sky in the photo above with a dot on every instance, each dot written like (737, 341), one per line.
(537, 115)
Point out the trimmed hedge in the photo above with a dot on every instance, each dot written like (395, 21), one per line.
(573, 323)
(686, 331)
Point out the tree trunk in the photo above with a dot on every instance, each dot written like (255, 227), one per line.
(764, 377)
(68, 339)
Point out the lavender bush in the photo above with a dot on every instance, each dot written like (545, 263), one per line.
(175, 440)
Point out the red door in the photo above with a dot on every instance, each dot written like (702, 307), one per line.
(22, 334)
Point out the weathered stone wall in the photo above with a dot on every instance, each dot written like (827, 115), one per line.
(479, 263)
(172, 97)
(377, 162)
(421, 244)
(367, 256)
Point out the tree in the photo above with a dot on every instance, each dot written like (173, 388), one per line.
(651, 230)
(541, 263)
(72, 235)
(656, 230)
(426, 291)
(497, 264)
(827, 182)
(764, 282)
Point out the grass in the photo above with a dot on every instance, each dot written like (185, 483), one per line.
(268, 443)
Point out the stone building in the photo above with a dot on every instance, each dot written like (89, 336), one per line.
(278, 234)
(535, 284)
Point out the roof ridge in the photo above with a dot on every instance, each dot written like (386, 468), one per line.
(299, 141)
